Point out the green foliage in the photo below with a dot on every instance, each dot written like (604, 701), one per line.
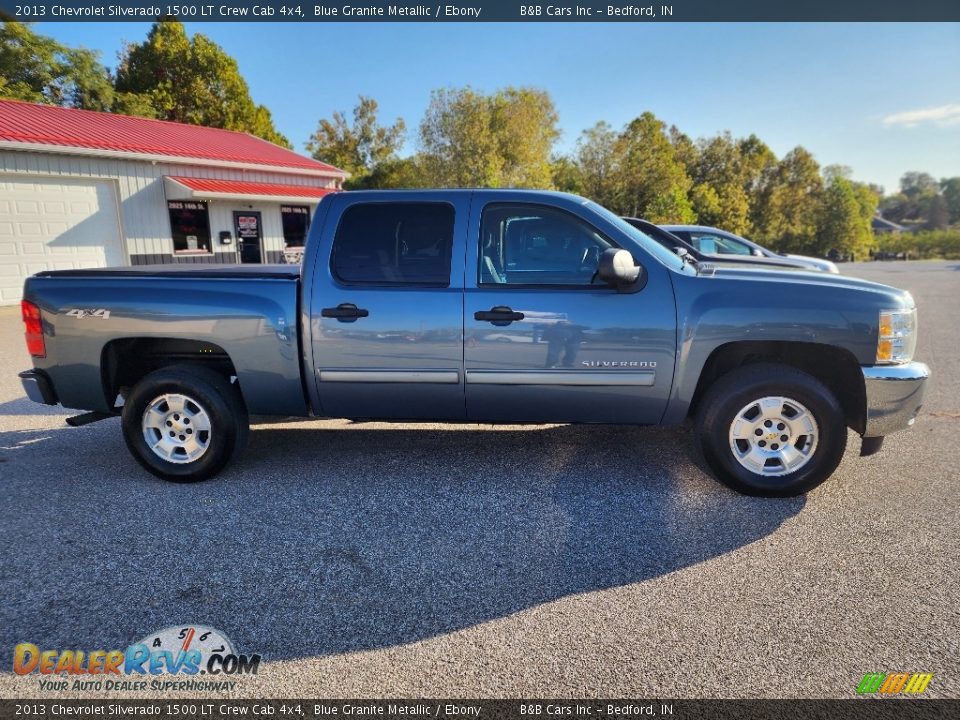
(39, 69)
(649, 181)
(784, 213)
(469, 139)
(596, 163)
(363, 147)
(735, 170)
(192, 80)
(844, 220)
(391, 174)
(565, 175)
(923, 202)
(913, 184)
(950, 188)
(634, 172)
(922, 245)
(524, 125)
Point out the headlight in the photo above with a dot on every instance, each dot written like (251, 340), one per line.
(898, 336)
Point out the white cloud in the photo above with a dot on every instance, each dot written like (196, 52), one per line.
(942, 115)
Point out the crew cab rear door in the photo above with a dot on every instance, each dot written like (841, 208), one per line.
(386, 307)
(545, 340)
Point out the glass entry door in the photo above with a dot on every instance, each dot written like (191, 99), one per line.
(249, 231)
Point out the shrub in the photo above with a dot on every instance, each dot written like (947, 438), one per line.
(922, 245)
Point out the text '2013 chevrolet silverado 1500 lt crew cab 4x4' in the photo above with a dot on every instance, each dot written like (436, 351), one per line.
(481, 306)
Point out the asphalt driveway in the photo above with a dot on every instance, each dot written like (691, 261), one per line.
(368, 559)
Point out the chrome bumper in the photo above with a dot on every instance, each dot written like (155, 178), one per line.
(894, 395)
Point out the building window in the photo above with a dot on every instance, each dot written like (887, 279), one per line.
(190, 225)
(296, 223)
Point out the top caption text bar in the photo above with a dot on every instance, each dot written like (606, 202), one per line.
(488, 11)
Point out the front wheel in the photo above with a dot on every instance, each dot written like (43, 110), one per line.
(184, 423)
(771, 430)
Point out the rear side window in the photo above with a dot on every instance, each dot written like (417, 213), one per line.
(394, 244)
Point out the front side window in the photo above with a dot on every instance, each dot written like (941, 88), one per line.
(394, 244)
(296, 223)
(538, 245)
(190, 226)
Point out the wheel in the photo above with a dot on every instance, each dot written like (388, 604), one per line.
(771, 430)
(184, 423)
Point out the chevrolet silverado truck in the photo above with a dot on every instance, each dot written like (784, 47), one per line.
(499, 306)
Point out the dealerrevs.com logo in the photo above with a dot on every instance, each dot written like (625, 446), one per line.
(184, 650)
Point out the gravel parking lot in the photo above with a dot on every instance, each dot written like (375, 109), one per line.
(372, 560)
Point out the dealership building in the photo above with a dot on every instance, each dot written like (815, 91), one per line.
(81, 189)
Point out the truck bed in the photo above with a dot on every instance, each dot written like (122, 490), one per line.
(104, 318)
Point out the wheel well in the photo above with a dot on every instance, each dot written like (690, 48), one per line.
(125, 362)
(835, 367)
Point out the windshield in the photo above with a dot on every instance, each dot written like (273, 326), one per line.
(671, 260)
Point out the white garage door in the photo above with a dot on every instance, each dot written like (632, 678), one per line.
(54, 224)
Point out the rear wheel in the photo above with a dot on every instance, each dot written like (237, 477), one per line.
(184, 423)
(771, 430)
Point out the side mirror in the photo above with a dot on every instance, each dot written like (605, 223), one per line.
(758, 252)
(617, 268)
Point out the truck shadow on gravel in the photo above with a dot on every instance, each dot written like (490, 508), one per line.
(326, 541)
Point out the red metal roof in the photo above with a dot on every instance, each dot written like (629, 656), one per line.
(237, 187)
(31, 123)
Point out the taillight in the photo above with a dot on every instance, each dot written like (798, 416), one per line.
(34, 329)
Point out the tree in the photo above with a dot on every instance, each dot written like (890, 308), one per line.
(457, 141)
(937, 213)
(734, 170)
(685, 148)
(950, 188)
(469, 139)
(393, 173)
(566, 176)
(596, 159)
(785, 212)
(837, 171)
(649, 179)
(845, 213)
(915, 183)
(360, 147)
(524, 124)
(39, 69)
(191, 80)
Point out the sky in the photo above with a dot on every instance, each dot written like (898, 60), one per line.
(882, 99)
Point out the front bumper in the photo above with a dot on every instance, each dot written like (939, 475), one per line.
(894, 396)
(38, 387)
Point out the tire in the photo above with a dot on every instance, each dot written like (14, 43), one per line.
(194, 443)
(760, 405)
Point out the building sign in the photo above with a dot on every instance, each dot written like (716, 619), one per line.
(248, 226)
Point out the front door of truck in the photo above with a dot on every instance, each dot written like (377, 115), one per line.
(545, 340)
(387, 307)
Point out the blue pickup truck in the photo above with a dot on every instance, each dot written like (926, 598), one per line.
(481, 306)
